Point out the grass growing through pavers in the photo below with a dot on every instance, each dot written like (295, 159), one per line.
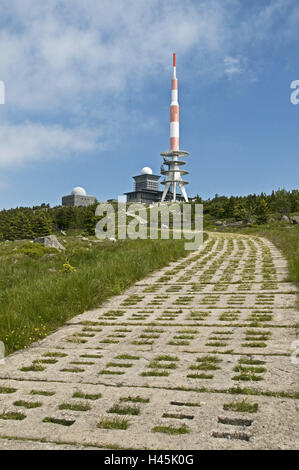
(54, 354)
(27, 404)
(33, 368)
(206, 363)
(142, 342)
(89, 328)
(7, 390)
(251, 369)
(109, 341)
(72, 370)
(115, 423)
(44, 393)
(119, 364)
(255, 344)
(153, 330)
(155, 373)
(251, 361)
(87, 396)
(285, 239)
(166, 357)
(171, 429)
(161, 365)
(200, 376)
(144, 336)
(82, 363)
(91, 356)
(243, 406)
(104, 270)
(76, 340)
(111, 372)
(127, 357)
(45, 361)
(136, 399)
(82, 406)
(183, 336)
(13, 415)
(187, 331)
(114, 313)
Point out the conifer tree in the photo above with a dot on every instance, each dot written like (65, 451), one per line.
(42, 225)
(262, 211)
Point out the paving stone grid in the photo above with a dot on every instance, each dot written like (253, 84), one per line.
(161, 366)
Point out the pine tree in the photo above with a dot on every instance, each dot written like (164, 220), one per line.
(42, 225)
(262, 211)
(23, 228)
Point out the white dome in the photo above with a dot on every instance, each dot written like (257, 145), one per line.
(146, 171)
(78, 191)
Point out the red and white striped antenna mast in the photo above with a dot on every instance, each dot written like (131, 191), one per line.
(172, 157)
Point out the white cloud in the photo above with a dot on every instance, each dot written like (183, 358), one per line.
(55, 55)
(29, 142)
(75, 61)
(58, 54)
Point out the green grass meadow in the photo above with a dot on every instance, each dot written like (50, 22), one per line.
(40, 289)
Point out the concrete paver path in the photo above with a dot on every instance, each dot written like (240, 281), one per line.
(200, 355)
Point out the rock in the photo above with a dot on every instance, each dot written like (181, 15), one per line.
(85, 239)
(112, 239)
(218, 222)
(285, 218)
(295, 219)
(50, 241)
(63, 233)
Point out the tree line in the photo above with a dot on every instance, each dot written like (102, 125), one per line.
(257, 208)
(38, 221)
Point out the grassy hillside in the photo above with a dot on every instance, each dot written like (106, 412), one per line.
(40, 290)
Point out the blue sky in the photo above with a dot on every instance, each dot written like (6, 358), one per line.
(88, 92)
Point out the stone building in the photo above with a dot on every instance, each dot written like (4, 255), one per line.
(78, 198)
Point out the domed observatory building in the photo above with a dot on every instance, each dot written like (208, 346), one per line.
(78, 198)
(147, 188)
